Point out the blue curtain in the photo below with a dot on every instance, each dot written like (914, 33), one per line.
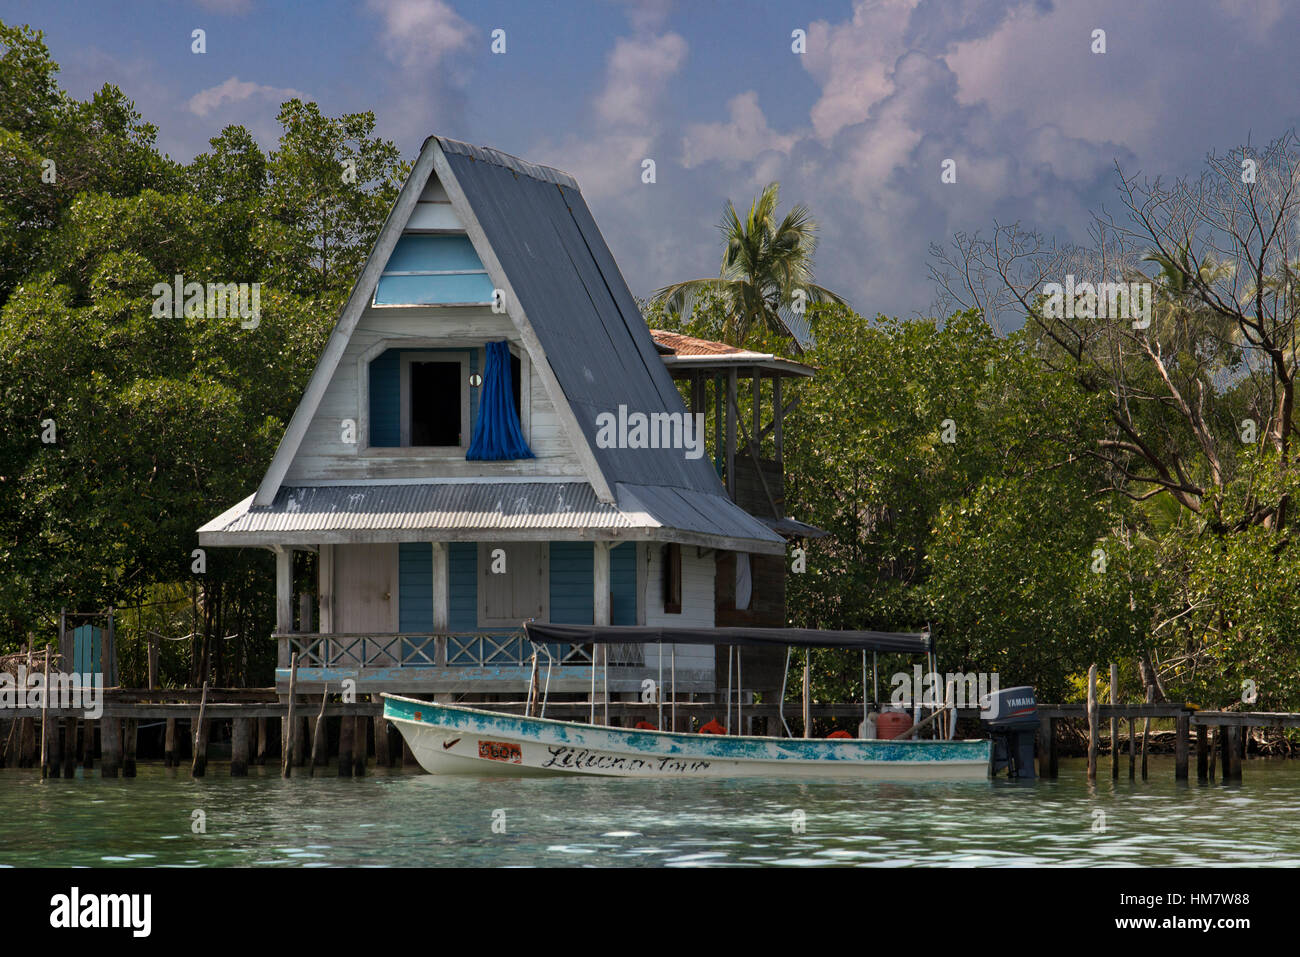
(496, 433)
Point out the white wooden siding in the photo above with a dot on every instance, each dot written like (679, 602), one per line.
(323, 456)
(698, 573)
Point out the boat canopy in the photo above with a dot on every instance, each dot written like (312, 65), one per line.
(916, 643)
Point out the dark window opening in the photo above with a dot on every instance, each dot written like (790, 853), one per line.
(673, 579)
(435, 403)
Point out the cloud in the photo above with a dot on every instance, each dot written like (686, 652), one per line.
(853, 62)
(235, 90)
(742, 139)
(636, 74)
(419, 34)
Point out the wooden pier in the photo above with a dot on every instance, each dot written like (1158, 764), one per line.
(314, 728)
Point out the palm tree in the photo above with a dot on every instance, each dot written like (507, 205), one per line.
(765, 266)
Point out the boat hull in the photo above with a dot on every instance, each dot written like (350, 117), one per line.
(447, 739)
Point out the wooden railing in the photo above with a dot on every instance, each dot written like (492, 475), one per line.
(456, 649)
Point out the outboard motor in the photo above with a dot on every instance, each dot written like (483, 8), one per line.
(1011, 716)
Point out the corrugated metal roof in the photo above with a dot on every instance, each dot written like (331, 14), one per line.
(589, 325)
(469, 511)
(418, 508)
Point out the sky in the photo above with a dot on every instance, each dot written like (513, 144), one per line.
(857, 126)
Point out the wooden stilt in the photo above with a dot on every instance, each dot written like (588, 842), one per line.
(1114, 722)
(1225, 756)
(320, 738)
(110, 731)
(1093, 730)
(408, 757)
(262, 740)
(45, 719)
(1132, 748)
(88, 744)
(169, 744)
(287, 735)
(239, 738)
(1214, 750)
(1146, 731)
(199, 731)
(131, 732)
(1202, 758)
(347, 731)
(382, 756)
(300, 741)
(54, 748)
(1182, 725)
(1046, 745)
(69, 747)
(359, 744)
(1233, 757)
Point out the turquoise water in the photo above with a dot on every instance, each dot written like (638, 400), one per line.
(413, 819)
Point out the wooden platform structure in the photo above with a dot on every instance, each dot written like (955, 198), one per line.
(356, 731)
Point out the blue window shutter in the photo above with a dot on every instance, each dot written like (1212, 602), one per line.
(386, 400)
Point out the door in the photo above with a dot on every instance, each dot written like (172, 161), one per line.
(365, 599)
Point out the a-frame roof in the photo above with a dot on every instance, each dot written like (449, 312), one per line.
(531, 228)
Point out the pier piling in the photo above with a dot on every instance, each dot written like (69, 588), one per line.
(54, 748)
(1093, 720)
(239, 735)
(88, 744)
(199, 767)
(287, 736)
(131, 731)
(347, 731)
(1114, 722)
(169, 744)
(359, 746)
(69, 747)
(262, 740)
(382, 758)
(110, 733)
(1132, 748)
(1182, 725)
(1201, 756)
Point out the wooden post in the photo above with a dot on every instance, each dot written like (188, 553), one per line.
(1232, 754)
(54, 756)
(287, 732)
(1132, 748)
(1093, 731)
(1114, 722)
(731, 433)
(383, 757)
(239, 735)
(262, 741)
(601, 616)
(88, 744)
(1046, 744)
(110, 730)
(1201, 756)
(305, 613)
(408, 758)
(1146, 730)
(1214, 750)
(169, 744)
(320, 737)
(283, 590)
(441, 609)
(199, 766)
(131, 728)
(69, 747)
(1182, 724)
(347, 731)
(807, 693)
(359, 746)
(45, 719)
(300, 755)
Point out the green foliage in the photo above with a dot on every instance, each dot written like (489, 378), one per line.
(161, 422)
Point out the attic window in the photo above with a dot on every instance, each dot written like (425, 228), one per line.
(435, 403)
